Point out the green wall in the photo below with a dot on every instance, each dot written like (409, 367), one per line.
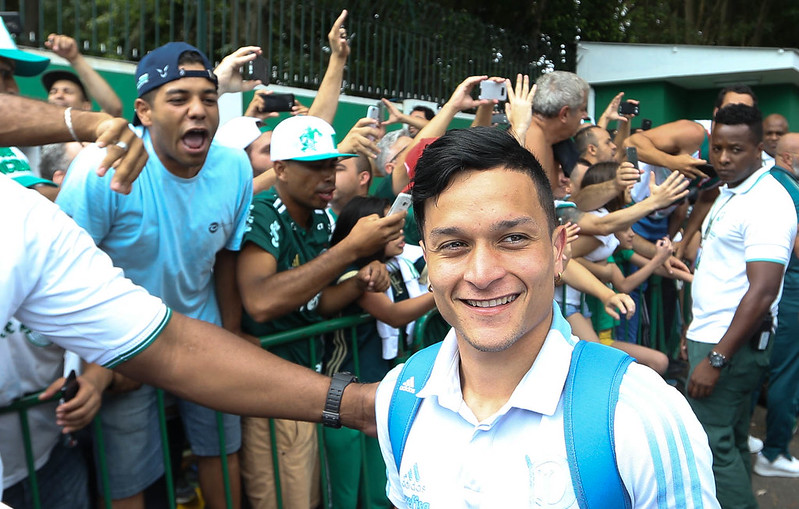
(123, 83)
(663, 102)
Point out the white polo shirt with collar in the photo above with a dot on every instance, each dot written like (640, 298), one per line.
(517, 457)
(754, 221)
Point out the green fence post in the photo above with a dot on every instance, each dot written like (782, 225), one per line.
(220, 426)
(170, 485)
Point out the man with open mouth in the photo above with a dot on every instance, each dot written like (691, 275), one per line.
(176, 235)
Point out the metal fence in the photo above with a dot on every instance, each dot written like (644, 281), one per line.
(404, 49)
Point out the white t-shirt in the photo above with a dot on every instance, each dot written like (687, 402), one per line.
(56, 282)
(754, 221)
(517, 457)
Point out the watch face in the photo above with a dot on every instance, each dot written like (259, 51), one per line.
(716, 360)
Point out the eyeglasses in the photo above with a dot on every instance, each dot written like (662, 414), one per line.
(398, 154)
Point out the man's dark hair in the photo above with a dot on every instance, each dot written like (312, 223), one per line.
(741, 114)
(355, 209)
(428, 113)
(737, 89)
(584, 137)
(478, 148)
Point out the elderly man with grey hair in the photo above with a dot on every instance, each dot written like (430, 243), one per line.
(559, 106)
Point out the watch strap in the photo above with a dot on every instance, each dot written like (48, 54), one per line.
(331, 416)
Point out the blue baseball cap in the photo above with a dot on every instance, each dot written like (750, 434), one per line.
(160, 66)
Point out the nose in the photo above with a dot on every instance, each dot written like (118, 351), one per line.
(482, 266)
(196, 108)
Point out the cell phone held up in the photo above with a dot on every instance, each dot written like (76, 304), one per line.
(629, 108)
(632, 158)
(401, 204)
(256, 69)
(492, 90)
(277, 102)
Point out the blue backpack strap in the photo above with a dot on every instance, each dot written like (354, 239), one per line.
(588, 412)
(404, 403)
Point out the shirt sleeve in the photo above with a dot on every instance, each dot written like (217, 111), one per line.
(264, 229)
(662, 450)
(769, 231)
(76, 297)
(87, 198)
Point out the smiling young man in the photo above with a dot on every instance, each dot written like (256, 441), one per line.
(489, 431)
(747, 239)
(175, 234)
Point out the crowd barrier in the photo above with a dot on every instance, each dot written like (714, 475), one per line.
(429, 329)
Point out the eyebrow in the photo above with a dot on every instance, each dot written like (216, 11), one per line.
(504, 225)
(177, 91)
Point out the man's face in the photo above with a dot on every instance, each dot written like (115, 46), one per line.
(8, 85)
(259, 153)
(309, 184)
(347, 182)
(491, 258)
(66, 93)
(411, 129)
(182, 119)
(774, 128)
(733, 153)
(605, 148)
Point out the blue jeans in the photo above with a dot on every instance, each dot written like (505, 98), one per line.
(63, 483)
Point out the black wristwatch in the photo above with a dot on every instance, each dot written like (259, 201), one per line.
(331, 416)
(716, 359)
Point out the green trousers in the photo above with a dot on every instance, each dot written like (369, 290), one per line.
(725, 415)
(356, 470)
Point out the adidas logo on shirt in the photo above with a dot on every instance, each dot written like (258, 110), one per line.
(408, 386)
(412, 481)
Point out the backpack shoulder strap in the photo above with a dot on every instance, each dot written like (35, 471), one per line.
(404, 403)
(591, 394)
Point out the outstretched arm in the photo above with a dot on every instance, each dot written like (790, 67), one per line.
(97, 88)
(326, 102)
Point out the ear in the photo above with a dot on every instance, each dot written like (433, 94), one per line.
(424, 251)
(143, 111)
(563, 114)
(280, 170)
(591, 149)
(58, 177)
(363, 178)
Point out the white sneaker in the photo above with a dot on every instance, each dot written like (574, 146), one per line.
(755, 444)
(780, 467)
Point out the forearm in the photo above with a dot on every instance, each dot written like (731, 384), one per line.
(599, 270)
(581, 279)
(27, 129)
(648, 152)
(615, 221)
(97, 87)
(483, 115)
(396, 314)
(747, 319)
(325, 103)
(227, 294)
(336, 297)
(595, 195)
(203, 363)
(266, 297)
(703, 204)
(629, 283)
(99, 376)
(263, 181)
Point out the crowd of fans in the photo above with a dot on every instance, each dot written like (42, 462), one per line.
(263, 231)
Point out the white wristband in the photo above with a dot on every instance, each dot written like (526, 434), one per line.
(68, 121)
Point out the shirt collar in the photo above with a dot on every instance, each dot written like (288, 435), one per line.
(747, 185)
(539, 390)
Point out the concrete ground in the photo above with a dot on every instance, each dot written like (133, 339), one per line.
(774, 492)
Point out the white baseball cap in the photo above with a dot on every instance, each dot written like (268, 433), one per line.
(240, 132)
(304, 138)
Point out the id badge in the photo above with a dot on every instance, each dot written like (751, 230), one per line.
(698, 256)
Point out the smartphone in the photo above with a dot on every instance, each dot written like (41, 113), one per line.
(373, 112)
(566, 154)
(493, 90)
(401, 204)
(632, 156)
(278, 102)
(708, 170)
(68, 391)
(500, 119)
(646, 124)
(257, 69)
(628, 108)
